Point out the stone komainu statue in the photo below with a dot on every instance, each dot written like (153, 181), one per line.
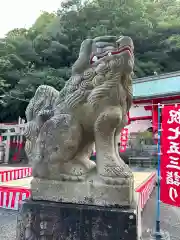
(62, 127)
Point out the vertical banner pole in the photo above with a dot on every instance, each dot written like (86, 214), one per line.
(158, 172)
(159, 234)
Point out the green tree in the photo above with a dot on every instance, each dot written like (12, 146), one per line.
(44, 53)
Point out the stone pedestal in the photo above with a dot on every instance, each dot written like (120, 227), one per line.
(93, 191)
(43, 220)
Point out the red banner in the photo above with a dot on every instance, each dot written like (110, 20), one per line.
(123, 139)
(170, 158)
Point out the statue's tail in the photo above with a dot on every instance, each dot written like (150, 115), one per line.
(40, 109)
(44, 100)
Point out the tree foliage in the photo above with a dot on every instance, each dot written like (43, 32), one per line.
(44, 53)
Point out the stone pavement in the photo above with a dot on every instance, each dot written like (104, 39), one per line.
(170, 217)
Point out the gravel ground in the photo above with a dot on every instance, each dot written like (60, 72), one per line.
(170, 221)
(7, 224)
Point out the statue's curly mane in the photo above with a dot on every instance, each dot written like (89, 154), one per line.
(94, 84)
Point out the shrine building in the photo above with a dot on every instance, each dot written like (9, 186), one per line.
(147, 93)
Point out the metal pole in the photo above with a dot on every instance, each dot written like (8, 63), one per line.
(158, 173)
(159, 234)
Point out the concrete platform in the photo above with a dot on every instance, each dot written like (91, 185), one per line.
(9, 173)
(13, 192)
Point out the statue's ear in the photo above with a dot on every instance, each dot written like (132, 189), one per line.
(83, 60)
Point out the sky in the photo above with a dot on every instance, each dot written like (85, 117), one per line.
(23, 13)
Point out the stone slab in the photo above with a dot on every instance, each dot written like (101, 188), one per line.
(59, 221)
(93, 191)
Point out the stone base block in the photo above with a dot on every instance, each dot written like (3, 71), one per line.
(60, 221)
(92, 192)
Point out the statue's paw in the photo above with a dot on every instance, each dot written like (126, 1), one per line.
(117, 181)
(116, 170)
(69, 177)
(116, 174)
(77, 171)
(89, 165)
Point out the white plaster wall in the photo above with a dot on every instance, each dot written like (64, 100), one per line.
(139, 126)
(139, 111)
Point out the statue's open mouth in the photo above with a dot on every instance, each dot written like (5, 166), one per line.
(128, 49)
